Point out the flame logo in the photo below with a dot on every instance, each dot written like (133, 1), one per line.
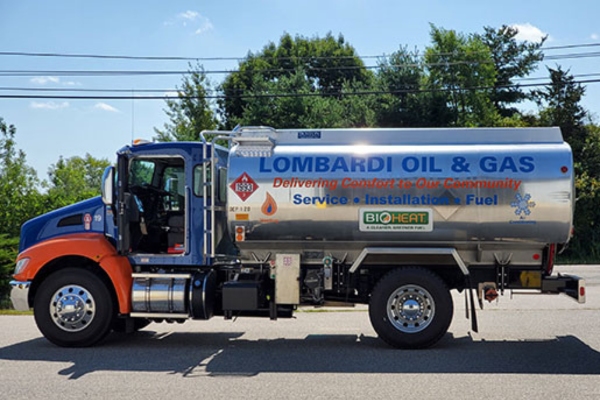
(269, 207)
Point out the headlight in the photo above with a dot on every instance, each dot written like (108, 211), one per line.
(21, 264)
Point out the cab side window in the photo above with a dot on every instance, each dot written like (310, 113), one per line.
(220, 190)
(223, 185)
(199, 179)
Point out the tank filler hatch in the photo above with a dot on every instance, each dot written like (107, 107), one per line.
(254, 142)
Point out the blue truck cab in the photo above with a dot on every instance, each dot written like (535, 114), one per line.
(160, 202)
(162, 208)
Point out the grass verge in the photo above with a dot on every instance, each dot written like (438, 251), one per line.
(15, 312)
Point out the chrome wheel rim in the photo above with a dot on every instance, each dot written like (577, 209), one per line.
(410, 308)
(72, 308)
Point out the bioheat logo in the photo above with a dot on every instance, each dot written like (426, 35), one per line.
(395, 219)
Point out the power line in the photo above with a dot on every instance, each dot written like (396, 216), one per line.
(115, 57)
(30, 89)
(209, 59)
(175, 90)
(15, 73)
(573, 55)
(169, 58)
(570, 46)
(112, 73)
(100, 73)
(280, 95)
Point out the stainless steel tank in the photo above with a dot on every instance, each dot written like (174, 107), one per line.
(348, 188)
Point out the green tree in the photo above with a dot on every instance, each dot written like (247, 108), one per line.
(191, 112)
(461, 67)
(562, 101)
(511, 59)
(8, 253)
(561, 106)
(19, 195)
(267, 83)
(282, 112)
(586, 242)
(74, 179)
(400, 75)
(405, 102)
(20, 200)
(301, 106)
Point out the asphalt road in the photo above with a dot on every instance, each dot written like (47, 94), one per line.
(528, 347)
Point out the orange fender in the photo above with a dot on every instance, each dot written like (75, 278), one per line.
(93, 246)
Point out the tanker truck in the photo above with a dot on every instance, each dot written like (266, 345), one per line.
(257, 222)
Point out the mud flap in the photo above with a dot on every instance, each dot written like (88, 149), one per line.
(471, 304)
(571, 285)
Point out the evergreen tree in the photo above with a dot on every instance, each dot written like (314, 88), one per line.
(561, 101)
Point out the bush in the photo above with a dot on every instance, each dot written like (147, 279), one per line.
(8, 253)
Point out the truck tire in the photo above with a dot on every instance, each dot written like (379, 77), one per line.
(411, 308)
(74, 308)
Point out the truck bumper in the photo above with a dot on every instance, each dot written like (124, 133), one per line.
(19, 295)
(571, 285)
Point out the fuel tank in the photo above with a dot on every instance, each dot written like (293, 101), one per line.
(400, 185)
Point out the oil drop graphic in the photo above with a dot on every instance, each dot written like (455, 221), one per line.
(269, 207)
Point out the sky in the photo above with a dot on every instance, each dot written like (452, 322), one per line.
(50, 128)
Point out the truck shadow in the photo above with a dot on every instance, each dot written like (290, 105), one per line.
(225, 354)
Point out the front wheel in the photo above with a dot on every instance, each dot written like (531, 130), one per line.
(411, 308)
(73, 308)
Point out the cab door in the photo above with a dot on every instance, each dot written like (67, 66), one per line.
(123, 206)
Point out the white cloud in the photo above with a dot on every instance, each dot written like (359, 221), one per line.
(193, 19)
(189, 15)
(595, 36)
(530, 33)
(106, 107)
(172, 95)
(42, 80)
(49, 105)
(204, 27)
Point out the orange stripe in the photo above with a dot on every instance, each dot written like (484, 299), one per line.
(93, 246)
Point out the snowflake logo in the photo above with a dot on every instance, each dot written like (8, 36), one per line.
(522, 205)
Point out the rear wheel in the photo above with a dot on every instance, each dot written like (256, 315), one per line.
(73, 308)
(411, 308)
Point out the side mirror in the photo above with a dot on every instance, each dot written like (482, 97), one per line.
(108, 186)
